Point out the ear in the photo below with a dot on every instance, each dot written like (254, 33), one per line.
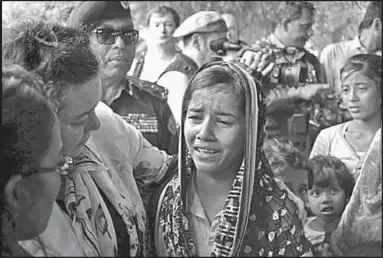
(377, 25)
(197, 41)
(12, 193)
(285, 22)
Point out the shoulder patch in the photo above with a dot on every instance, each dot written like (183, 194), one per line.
(152, 88)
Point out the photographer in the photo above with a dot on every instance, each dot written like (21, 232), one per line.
(296, 77)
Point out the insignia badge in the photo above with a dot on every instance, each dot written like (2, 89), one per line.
(125, 4)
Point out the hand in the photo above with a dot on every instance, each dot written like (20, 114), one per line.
(308, 91)
(326, 251)
(257, 61)
(302, 213)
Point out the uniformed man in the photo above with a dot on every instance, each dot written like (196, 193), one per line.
(296, 77)
(113, 39)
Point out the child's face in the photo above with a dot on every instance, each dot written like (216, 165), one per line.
(296, 180)
(327, 203)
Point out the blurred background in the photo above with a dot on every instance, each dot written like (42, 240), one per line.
(335, 20)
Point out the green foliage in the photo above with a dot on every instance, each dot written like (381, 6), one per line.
(335, 20)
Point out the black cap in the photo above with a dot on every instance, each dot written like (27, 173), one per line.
(91, 12)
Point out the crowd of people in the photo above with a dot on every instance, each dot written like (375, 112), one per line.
(194, 143)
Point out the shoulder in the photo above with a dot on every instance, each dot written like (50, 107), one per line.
(183, 64)
(170, 78)
(112, 125)
(151, 89)
(332, 50)
(332, 130)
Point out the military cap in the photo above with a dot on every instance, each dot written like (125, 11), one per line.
(204, 21)
(91, 12)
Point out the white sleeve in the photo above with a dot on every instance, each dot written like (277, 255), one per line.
(321, 145)
(176, 83)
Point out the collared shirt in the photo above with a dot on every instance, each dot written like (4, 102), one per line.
(203, 233)
(334, 56)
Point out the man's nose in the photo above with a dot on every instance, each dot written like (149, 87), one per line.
(119, 42)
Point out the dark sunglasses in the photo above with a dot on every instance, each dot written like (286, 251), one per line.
(108, 36)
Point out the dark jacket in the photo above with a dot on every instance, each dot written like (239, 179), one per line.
(144, 105)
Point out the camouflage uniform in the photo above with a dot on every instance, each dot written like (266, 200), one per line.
(144, 105)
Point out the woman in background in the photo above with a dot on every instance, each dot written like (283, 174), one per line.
(361, 78)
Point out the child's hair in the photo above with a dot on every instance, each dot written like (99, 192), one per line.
(328, 169)
(285, 154)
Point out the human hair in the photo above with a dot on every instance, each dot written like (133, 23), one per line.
(374, 10)
(213, 75)
(282, 155)
(163, 10)
(369, 64)
(27, 122)
(60, 55)
(329, 169)
(292, 10)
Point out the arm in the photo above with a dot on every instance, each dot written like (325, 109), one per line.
(176, 83)
(126, 150)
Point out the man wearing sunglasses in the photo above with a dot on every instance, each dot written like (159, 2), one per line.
(113, 39)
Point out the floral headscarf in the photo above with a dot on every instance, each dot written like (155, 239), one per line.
(258, 218)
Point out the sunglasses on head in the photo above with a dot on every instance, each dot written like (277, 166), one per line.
(108, 36)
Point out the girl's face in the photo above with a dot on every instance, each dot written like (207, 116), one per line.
(215, 131)
(361, 95)
(327, 203)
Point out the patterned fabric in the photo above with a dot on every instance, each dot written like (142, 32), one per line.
(86, 207)
(361, 221)
(259, 219)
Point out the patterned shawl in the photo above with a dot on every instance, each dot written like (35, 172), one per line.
(259, 219)
(89, 213)
(361, 221)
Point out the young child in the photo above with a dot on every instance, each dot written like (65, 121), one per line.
(327, 198)
(290, 165)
